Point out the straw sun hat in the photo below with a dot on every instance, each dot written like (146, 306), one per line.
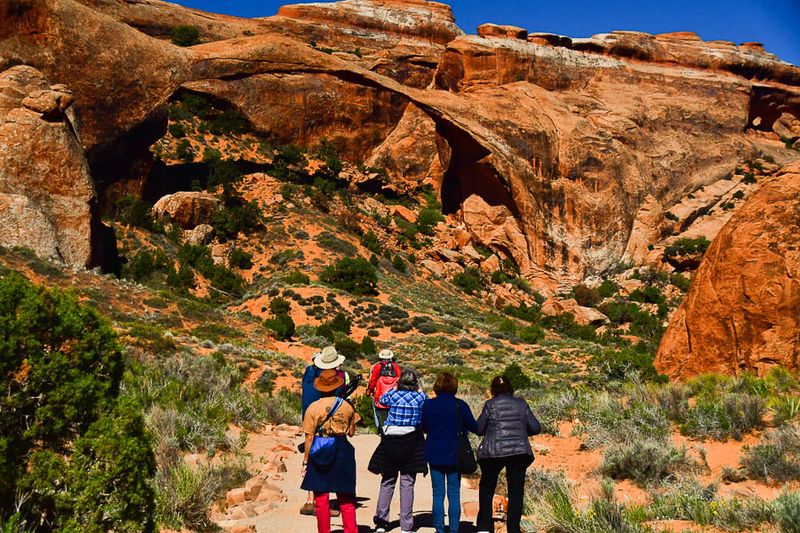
(328, 381)
(386, 354)
(328, 358)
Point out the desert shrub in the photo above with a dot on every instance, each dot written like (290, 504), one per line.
(341, 323)
(469, 281)
(784, 409)
(354, 275)
(687, 246)
(607, 288)
(215, 332)
(723, 416)
(370, 241)
(427, 219)
(517, 376)
(236, 216)
(776, 458)
(185, 35)
(281, 325)
(223, 172)
(645, 462)
(196, 104)
(284, 407)
(184, 151)
(181, 279)
(266, 382)
(177, 130)
(66, 439)
(585, 296)
(368, 346)
(238, 258)
(144, 264)
(787, 512)
(524, 312)
(347, 347)
(650, 294)
(135, 212)
(399, 264)
(680, 281)
(295, 277)
(531, 334)
(669, 215)
(184, 494)
(333, 243)
(749, 178)
(618, 365)
(279, 306)
(228, 121)
(738, 195)
(674, 400)
(565, 325)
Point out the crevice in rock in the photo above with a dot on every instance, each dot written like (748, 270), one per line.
(469, 173)
(767, 104)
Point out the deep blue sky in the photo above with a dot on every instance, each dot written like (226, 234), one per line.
(776, 23)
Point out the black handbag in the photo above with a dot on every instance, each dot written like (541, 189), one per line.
(465, 456)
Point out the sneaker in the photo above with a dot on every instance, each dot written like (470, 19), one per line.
(308, 509)
(379, 529)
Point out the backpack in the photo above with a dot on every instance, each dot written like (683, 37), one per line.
(387, 379)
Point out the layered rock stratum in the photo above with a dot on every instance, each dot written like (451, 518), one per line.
(742, 312)
(572, 137)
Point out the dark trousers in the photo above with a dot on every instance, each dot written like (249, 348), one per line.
(515, 466)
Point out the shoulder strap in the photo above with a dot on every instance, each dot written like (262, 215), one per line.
(459, 423)
(334, 408)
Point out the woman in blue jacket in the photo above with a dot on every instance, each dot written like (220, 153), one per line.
(440, 420)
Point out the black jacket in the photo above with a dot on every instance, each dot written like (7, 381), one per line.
(505, 424)
(404, 454)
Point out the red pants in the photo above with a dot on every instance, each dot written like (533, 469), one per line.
(347, 506)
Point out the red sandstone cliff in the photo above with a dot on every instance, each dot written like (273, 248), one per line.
(743, 309)
(571, 137)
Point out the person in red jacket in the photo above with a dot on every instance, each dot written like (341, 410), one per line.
(382, 378)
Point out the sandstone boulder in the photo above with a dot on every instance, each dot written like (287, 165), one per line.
(583, 315)
(47, 191)
(495, 226)
(741, 312)
(188, 209)
(496, 30)
(201, 234)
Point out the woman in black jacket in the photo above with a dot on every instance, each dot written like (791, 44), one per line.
(505, 424)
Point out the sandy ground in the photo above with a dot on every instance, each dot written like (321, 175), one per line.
(286, 517)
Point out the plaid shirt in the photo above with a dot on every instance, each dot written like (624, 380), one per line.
(405, 407)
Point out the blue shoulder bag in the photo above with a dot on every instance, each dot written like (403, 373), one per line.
(323, 449)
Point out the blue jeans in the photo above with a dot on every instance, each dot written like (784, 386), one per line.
(450, 482)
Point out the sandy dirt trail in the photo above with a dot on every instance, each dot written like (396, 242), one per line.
(285, 518)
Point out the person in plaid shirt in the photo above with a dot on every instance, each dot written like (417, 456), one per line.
(401, 453)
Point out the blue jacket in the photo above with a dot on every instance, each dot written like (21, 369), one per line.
(439, 422)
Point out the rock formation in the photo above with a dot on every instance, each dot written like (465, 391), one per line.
(46, 193)
(187, 209)
(743, 309)
(569, 136)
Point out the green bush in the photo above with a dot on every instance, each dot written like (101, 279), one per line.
(347, 347)
(787, 512)
(370, 241)
(144, 264)
(776, 458)
(565, 325)
(517, 376)
(61, 423)
(525, 312)
(586, 296)
(618, 365)
(724, 415)
(469, 281)
(266, 382)
(223, 172)
(279, 306)
(238, 258)
(281, 325)
(427, 219)
(341, 323)
(135, 212)
(177, 130)
(229, 121)
(295, 277)
(196, 104)
(681, 281)
(608, 288)
(184, 151)
(333, 243)
(354, 275)
(646, 462)
(185, 35)
(687, 246)
(650, 295)
(368, 346)
(399, 264)
(531, 334)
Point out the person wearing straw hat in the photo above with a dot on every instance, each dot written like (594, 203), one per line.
(327, 359)
(331, 416)
(383, 377)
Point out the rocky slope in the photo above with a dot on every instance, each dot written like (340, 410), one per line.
(599, 125)
(743, 309)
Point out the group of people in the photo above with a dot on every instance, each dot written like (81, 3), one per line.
(419, 435)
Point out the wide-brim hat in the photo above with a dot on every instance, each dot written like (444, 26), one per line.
(386, 354)
(328, 358)
(328, 381)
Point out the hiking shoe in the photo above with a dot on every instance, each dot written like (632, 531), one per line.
(308, 509)
(379, 529)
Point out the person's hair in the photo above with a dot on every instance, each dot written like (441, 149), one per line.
(408, 380)
(446, 382)
(501, 385)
